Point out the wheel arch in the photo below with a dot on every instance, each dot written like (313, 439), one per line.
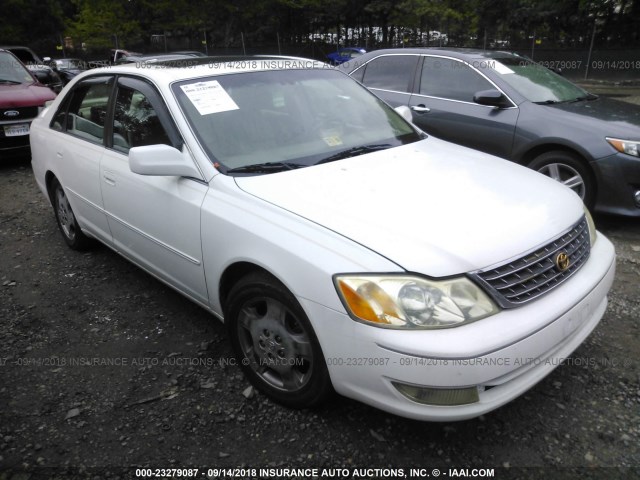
(527, 156)
(48, 179)
(232, 275)
(530, 155)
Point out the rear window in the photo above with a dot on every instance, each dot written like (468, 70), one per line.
(390, 72)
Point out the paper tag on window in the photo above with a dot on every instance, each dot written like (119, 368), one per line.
(500, 67)
(332, 140)
(209, 97)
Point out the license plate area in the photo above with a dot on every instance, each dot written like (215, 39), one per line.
(16, 130)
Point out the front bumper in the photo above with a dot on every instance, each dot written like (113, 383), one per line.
(503, 355)
(11, 147)
(618, 178)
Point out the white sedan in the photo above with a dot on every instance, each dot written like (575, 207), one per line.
(343, 248)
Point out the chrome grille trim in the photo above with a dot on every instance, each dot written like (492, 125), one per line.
(526, 278)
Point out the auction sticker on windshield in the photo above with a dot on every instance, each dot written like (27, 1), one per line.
(500, 67)
(209, 97)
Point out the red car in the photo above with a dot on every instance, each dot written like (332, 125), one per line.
(21, 99)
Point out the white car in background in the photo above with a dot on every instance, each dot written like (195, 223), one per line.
(343, 248)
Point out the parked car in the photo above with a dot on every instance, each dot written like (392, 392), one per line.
(44, 73)
(153, 58)
(68, 68)
(191, 53)
(116, 54)
(505, 104)
(342, 247)
(345, 54)
(21, 99)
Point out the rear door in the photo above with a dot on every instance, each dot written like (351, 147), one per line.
(78, 149)
(390, 77)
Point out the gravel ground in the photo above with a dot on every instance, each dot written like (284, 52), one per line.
(104, 370)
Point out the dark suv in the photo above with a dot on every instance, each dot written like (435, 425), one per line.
(21, 99)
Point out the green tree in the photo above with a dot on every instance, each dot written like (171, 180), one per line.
(105, 23)
(38, 24)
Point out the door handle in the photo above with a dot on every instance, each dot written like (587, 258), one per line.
(420, 109)
(109, 179)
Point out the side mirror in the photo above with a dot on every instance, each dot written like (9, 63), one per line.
(405, 112)
(491, 98)
(161, 160)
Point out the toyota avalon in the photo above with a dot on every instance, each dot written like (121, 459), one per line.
(342, 247)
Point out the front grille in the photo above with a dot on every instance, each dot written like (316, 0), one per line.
(23, 113)
(534, 274)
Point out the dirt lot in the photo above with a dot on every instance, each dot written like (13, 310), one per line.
(104, 370)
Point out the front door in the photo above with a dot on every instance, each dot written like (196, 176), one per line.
(443, 106)
(155, 220)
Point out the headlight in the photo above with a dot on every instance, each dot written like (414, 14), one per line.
(593, 234)
(404, 301)
(625, 146)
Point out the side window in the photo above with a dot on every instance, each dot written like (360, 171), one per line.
(136, 122)
(450, 79)
(83, 113)
(59, 119)
(390, 72)
(358, 74)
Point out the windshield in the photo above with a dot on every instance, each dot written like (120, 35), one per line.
(268, 121)
(12, 71)
(535, 82)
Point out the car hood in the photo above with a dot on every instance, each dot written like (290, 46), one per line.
(623, 117)
(431, 207)
(24, 95)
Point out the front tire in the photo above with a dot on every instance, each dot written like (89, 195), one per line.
(568, 169)
(66, 219)
(275, 344)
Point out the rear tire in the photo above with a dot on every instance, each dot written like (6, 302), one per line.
(275, 344)
(568, 169)
(66, 219)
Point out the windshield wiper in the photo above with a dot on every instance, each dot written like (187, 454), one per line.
(269, 167)
(588, 96)
(354, 152)
(12, 82)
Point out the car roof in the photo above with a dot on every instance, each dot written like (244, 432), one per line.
(193, 53)
(168, 71)
(465, 54)
(19, 48)
(158, 57)
(461, 53)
